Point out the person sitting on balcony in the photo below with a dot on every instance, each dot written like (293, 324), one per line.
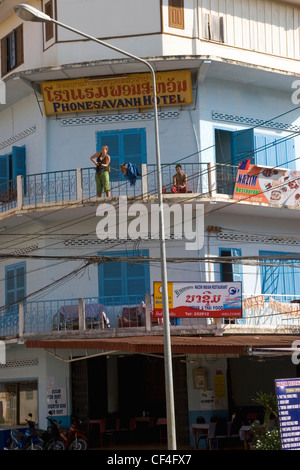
(179, 181)
(102, 160)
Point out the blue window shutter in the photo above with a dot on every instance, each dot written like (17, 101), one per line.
(260, 153)
(15, 283)
(286, 154)
(134, 144)
(236, 268)
(19, 163)
(279, 278)
(274, 151)
(122, 279)
(242, 146)
(18, 159)
(113, 140)
(128, 145)
(4, 174)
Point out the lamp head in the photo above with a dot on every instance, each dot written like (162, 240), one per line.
(28, 13)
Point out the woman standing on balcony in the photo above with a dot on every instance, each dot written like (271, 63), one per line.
(102, 160)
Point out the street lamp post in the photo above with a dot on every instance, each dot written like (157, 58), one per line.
(28, 13)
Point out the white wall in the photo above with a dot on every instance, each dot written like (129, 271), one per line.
(46, 368)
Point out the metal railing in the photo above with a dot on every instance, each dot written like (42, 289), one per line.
(45, 316)
(8, 195)
(48, 187)
(59, 187)
(271, 310)
(198, 177)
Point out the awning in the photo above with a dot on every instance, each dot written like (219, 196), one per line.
(227, 344)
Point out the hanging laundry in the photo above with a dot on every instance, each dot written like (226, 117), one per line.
(130, 172)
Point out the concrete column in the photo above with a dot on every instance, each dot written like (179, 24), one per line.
(21, 321)
(212, 179)
(79, 190)
(145, 190)
(81, 314)
(148, 312)
(20, 192)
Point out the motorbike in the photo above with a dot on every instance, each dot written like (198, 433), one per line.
(51, 437)
(74, 437)
(27, 440)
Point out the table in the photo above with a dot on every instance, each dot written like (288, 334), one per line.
(201, 429)
(244, 435)
(144, 426)
(101, 424)
(161, 422)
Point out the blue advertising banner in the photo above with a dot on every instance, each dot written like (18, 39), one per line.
(288, 399)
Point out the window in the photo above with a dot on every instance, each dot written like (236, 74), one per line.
(234, 147)
(213, 28)
(124, 281)
(176, 14)
(17, 400)
(230, 272)
(15, 285)
(274, 151)
(12, 50)
(49, 27)
(124, 146)
(279, 276)
(11, 165)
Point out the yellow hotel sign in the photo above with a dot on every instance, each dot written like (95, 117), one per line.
(124, 92)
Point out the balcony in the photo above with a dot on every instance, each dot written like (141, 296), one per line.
(78, 185)
(212, 183)
(269, 313)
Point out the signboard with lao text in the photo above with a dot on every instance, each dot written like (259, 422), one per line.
(200, 299)
(288, 399)
(118, 92)
(57, 401)
(274, 186)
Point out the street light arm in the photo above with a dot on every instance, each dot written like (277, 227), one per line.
(29, 13)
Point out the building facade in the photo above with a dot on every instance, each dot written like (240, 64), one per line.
(227, 88)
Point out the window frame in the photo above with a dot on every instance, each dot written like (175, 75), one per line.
(124, 275)
(120, 157)
(17, 33)
(9, 291)
(15, 393)
(176, 14)
(290, 287)
(49, 27)
(236, 269)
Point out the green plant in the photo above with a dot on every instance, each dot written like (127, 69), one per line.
(269, 403)
(266, 437)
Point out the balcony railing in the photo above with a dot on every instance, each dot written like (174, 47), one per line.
(48, 316)
(271, 310)
(77, 185)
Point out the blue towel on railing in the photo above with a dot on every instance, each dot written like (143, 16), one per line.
(132, 173)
